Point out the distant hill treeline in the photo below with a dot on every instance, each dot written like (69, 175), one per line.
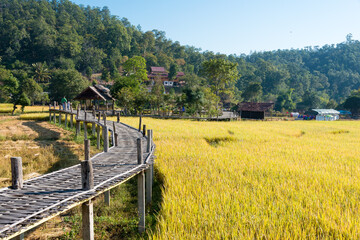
(62, 35)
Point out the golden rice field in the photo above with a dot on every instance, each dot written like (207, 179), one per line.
(8, 108)
(257, 180)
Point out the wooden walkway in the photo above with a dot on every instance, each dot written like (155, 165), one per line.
(51, 194)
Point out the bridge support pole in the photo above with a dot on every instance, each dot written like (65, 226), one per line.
(66, 120)
(98, 137)
(85, 130)
(116, 139)
(141, 201)
(88, 220)
(141, 189)
(59, 118)
(49, 113)
(107, 198)
(93, 129)
(54, 117)
(71, 120)
(118, 117)
(106, 138)
(149, 172)
(77, 128)
(87, 182)
(140, 120)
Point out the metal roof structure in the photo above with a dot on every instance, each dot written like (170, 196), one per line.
(326, 111)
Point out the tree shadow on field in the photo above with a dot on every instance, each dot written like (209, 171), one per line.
(47, 137)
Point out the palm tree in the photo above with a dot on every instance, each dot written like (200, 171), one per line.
(41, 73)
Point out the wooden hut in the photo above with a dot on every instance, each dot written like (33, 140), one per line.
(98, 96)
(253, 110)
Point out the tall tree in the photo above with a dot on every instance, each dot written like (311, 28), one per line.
(252, 92)
(219, 73)
(68, 83)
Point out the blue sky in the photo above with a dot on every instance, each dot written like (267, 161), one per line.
(242, 26)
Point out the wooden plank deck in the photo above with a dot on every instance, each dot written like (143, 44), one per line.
(51, 194)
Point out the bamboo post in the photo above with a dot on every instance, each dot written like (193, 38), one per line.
(71, 120)
(149, 171)
(87, 175)
(104, 117)
(93, 128)
(114, 127)
(49, 112)
(87, 149)
(77, 127)
(87, 210)
(85, 130)
(144, 130)
(98, 137)
(116, 139)
(118, 117)
(66, 120)
(141, 190)
(140, 120)
(139, 151)
(16, 173)
(106, 138)
(141, 201)
(148, 148)
(78, 111)
(113, 135)
(149, 183)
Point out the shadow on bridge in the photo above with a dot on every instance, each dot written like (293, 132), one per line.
(62, 150)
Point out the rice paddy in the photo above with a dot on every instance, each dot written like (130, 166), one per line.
(257, 180)
(242, 180)
(7, 108)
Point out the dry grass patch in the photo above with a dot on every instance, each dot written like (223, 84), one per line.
(43, 147)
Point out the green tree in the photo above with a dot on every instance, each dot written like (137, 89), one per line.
(32, 90)
(173, 71)
(135, 67)
(67, 83)
(352, 103)
(41, 72)
(219, 73)
(22, 100)
(8, 85)
(285, 101)
(310, 100)
(252, 92)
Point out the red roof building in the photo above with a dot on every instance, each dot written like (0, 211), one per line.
(159, 73)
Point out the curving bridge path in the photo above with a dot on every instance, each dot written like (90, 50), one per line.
(49, 195)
